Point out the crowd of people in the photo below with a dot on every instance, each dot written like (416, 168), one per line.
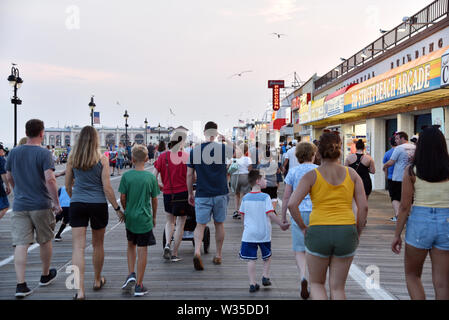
(327, 201)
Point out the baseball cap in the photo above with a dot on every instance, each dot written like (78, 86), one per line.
(1, 147)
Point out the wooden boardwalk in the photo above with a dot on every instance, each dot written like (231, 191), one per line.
(229, 281)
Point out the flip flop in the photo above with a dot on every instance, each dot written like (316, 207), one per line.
(102, 283)
(77, 298)
(216, 260)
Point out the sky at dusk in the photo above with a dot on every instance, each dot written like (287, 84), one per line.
(151, 56)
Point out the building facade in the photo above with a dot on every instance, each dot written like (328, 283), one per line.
(62, 137)
(399, 82)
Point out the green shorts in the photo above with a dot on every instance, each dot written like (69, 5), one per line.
(339, 241)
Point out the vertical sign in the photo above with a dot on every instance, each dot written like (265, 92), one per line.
(276, 102)
(276, 85)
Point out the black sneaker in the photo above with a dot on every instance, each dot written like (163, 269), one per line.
(46, 280)
(58, 238)
(254, 288)
(266, 281)
(22, 290)
(140, 291)
(130, 282)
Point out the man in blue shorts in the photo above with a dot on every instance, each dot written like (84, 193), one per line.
(208, 160)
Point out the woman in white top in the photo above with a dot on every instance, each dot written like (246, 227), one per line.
(426, 184)
(239, 178)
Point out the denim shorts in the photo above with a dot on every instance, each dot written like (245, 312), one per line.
(248, 250)
(297, 235)
(207, 207)
(428, 228)
(120, 163)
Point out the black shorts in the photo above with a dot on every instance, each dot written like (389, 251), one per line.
(64, 215)
(178, 208)
(141, 239)
(81, 213)
(271, 191)
(395, 190)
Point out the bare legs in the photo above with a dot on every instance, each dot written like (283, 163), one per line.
(176, 233)
(219, 238)
(142, 256)
(301, 264)
(414, 261)
(79, 245)
(338, 272)
(20, 259)
(252, 270)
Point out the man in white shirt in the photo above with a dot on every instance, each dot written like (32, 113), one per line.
(290, 158)
(402, 156)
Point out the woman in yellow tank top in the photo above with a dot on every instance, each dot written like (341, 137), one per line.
(333, 233)
(426, 184)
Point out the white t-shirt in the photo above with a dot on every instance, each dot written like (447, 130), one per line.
(244, 163)
(255, 207)
(403, 155)
(292, 160)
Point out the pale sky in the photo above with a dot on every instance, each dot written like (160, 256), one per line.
(155, 55)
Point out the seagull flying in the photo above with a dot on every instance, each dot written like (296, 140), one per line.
(171, 112)
(279, 34)
(240, 74)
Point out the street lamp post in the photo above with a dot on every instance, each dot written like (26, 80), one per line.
(159, 127)
(16, 82)
(126, 115)
(146, 127)
(92, 107)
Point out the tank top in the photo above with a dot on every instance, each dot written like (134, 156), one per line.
(431, 194)
(88, 186)
(332, 205)
(363, 172)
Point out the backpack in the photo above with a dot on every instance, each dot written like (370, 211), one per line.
(233, 167)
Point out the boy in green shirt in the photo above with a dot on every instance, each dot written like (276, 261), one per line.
(136, 189)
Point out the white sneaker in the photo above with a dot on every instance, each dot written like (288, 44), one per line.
(167, 252)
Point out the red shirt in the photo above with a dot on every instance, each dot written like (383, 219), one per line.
(177, 181)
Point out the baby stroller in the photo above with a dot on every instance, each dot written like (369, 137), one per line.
(189, 227)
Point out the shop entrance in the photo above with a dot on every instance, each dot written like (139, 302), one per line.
(421, 121)
(391, 126)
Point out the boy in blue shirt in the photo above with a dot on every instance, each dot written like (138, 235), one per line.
(257, 212)
(64, 200)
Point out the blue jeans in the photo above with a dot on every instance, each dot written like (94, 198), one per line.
(428, 228)
(211, 206)
(297, 235)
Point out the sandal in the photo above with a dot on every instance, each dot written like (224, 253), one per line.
(216, 260)
(76, 297)
(102, 283)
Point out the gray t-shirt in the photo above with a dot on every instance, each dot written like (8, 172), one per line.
(27, 164)
(88, 187)
(403, 155)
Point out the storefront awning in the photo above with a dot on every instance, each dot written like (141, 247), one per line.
(416, 82)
